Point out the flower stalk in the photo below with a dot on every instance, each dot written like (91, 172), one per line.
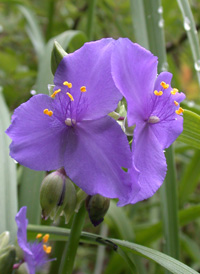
(69, 254)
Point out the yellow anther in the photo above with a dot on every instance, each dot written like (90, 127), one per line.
(45, 238)
(48, 250)
(164, 85)
(158, 93)
(69, 85)
(55, 92)
(83, 89)
(70, 96)
(39, 235)
(179, 111)
(44, 248)
(176, 103)
(174, 91)
(48, 112)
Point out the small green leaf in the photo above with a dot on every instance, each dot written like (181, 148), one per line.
(56, 56)
(191, 129)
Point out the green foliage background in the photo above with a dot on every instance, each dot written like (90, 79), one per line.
(27, 32)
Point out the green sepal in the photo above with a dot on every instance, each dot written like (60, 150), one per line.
(56, 56)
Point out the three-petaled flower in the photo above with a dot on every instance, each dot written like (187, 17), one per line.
(153, 106)
(35, 253)
(71, 128)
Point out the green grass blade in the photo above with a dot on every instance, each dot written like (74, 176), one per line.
(155, 31)
(190, 178)
(33, 30)
(170, 207)
(166, 261)
(45, 75)
(90, 22)
(8, 179)
(190, 27)
(29, 193)
(139, 22)
(191, 129)
(150, 233)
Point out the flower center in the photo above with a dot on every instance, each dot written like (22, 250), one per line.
(70, 122)
(164, 107)
(153, 119)
(69, 106)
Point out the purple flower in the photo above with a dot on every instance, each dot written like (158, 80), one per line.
(153, 106)
(71, 128)
(35, 253)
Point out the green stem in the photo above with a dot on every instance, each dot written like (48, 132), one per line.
(69, 255)
(170, 207)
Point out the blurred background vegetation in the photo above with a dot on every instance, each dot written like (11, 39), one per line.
(26, 30)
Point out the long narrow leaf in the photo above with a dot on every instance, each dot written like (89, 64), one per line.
(33, 30)
(166, 261)
(191, 129)
(190, 27)
(8, 181)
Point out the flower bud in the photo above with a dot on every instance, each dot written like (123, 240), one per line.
(97, 206)
(4, 239)
(57, 194)
(7, 254)
(56, 56)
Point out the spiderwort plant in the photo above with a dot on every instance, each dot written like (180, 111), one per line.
(71, 128)
(153, 106)
(35, 253)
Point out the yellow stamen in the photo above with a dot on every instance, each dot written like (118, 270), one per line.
(55, 92)
(44, 248)
(48, 112)
(179, 111)
(39, 235)
(48, 250)
(174, 91)
(176, 103)
(70, 96)
(69, 85)
(45, 238)
(158, 93)
(83, 89)
(164, 85)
